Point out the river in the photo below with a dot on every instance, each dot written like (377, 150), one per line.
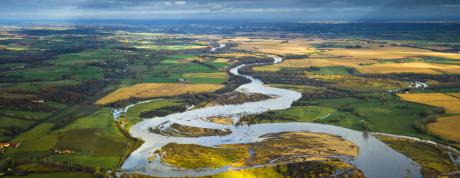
(375, 159)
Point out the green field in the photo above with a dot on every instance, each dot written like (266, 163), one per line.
(296, 114)
(207, 78)
(38, 139)
(133, 113)
(176, 58)
(37, 87)
(381, 114)
(55, 175)
(24, 114)
(331, 70)
(95, 140)
(41, 74)
(8, 122)
(86, 57)
(171, 73)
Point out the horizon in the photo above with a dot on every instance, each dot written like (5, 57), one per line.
(252, 10)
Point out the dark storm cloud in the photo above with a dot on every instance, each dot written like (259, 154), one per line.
(230, 9)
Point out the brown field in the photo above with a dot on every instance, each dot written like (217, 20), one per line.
(16, 96)
(223, 60)
(151, 90)
(221, 120)
(437, 47)
(447, 128)
(236, 55)
(301, 88)
(207, 75)
(361, 83)
(450, 103)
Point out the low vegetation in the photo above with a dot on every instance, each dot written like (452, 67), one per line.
(276, 148)
(323, 168)
(51, 78)
(177, 130)
(434, 160)
(237, 98)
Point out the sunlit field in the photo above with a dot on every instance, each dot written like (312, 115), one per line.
(152, 90)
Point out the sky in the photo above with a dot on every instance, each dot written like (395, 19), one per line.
(276, 10)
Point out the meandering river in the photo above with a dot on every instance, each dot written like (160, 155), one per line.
(375, 158)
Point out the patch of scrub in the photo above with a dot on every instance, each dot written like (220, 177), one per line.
(434, 160)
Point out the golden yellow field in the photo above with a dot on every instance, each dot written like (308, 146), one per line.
(275, 46)
(366, 59)
(151, 90)
(455, 94)
(450, 103)
(415, 67)
(447, 128)
(387, 52)
(382, 68)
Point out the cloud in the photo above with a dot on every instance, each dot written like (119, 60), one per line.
(229, 9)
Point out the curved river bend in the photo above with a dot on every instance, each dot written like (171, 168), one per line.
(375, 158)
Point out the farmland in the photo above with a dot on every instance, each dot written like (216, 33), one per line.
(447, 128)
(48, 99)
(152, 90)
(371, 58)
(450, 103)
(59, 87)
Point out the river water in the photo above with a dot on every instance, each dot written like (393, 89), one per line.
(375, 158)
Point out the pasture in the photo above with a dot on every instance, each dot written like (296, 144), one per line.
(378, 114)
(172, 72)
(296, 114)
(133, 114)
(95, 139)
(38, 139)
(216, 77)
